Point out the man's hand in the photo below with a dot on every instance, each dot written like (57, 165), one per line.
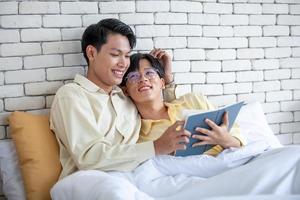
(166, 61)
(174, 138)
(219, 135)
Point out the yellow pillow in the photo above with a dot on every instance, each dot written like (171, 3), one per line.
(38, 153)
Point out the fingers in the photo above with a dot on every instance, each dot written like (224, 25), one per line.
(201, 137)
(200, 143)
(154, 52)
(185, 133)
(157, 53)
(161, 54)
(204, 131)
(225, 119)
(180, 146)
(177, 126)
(183, 140)
(211, 124)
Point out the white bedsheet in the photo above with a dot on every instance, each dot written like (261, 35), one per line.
(275, 172)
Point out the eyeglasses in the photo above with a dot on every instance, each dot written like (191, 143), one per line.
(135, 77)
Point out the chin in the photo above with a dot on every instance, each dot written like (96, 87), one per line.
(117, 81)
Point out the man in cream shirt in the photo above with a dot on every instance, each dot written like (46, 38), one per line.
(96, 125)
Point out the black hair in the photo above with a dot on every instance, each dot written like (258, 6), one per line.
(96, 34)
(135, 65)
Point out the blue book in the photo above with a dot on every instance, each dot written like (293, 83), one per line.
(197, 120)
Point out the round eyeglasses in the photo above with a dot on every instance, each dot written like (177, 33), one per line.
(135, 76)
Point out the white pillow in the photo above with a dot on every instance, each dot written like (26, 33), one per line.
(254, 126)
(12, 183)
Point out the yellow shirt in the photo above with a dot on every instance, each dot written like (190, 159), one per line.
(96, 130)
(153, 129)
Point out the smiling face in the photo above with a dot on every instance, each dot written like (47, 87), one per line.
(108, 65)
(148, 87)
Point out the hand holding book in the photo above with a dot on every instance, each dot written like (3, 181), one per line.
(216, 135)
(214, 131)
(174, 138)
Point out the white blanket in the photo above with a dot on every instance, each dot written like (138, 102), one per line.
(275, 172)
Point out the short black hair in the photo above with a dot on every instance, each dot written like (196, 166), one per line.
(96, 34)
(135, 65)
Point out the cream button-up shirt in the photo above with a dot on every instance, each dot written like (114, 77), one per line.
(96, 130)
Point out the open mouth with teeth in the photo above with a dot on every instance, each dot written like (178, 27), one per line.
(118, 73)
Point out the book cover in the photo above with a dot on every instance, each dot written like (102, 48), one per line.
(198, 120)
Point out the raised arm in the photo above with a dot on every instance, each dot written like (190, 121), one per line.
(166, 61)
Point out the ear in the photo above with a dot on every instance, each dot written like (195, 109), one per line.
(91, 52)
(125, 91)
(163, 83)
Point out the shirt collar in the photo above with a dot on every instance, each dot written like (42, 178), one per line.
(92, 87)
(148, 123)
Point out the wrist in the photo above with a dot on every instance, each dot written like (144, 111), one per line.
(169, 79)
(156, 148)
(233, 142)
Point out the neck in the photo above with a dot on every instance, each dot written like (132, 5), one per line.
(151, 110)
(92, 77)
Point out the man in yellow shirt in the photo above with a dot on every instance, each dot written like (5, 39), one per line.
(143, 82)
(96, 125)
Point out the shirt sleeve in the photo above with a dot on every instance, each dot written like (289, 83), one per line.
(169, 92)
(76, 129)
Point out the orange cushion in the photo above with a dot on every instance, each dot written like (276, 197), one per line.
(38, 153)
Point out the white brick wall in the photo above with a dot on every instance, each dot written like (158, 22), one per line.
(62, 21)
(275, 30)
(12, 104)
(186, 6)
(202, 42)
(117, 7)
(206, 66)
(1, 78)
(8, 8)
(39, 7)
(10, 63)
(152, 6)
(32, 35)
(230, 50)
(20, 49)
(9, 36)
(208, 89)
(247, 30)
(42, 61)
(236, 65)
(79, 7)
(21, 21)
(152, 30)
(218, 8)
(23, 76)
(203, 19)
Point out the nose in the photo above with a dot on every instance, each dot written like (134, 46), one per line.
(123, 61)
(143, 78)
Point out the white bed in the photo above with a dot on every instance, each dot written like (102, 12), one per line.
(274, 175)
